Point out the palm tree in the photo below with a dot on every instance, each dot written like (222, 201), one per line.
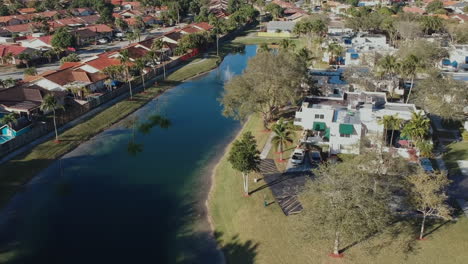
(30, 71)
(217, 30)
(263, 48)
(391, 122)
(7, 58)
(283, 136)
(409, 68)
(287, 44)
(157, 46)
(425, 148)
(8, 119)
(140, 65)
(9, 82)
(125, 60)
(25, 58)
(388, 65)
(335, 50)
(134, 148)
(51, 104)
(305, 55)
(417, 128)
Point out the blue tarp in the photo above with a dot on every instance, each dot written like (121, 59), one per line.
(354, 56)
(115, 83)
(454, 64)
(347, 41)
(446, 62)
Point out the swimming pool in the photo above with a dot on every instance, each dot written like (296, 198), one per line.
(4, 139)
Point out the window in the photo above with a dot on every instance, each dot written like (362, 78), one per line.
(298, 119)
(345, 135)
(319, 116)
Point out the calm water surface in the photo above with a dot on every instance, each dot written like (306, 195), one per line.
(101, 204)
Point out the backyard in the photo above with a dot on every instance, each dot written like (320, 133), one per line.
(275, 238)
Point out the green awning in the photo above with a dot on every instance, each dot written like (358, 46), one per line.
(346, 129)
(327, 133)
(319, 126)
(403, 137)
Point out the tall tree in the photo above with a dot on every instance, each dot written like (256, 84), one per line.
(140, 65)
(8, 119)
(62, 39)
(443, 96)
(427, 195)
(282, 136)
(270, 81)
(50, 103)
(125, 61)
(409, 67)
(392, 123)
(245, 158)
(343, 206)
(417, 127)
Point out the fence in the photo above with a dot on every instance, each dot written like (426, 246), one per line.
(75, 110)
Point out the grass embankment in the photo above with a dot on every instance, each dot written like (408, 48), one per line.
(16, 172)
(456, 151)
(252, 233)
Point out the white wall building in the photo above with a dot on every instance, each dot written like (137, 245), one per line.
(342, 123)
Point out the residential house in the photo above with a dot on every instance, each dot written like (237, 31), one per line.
(461, 18)
(25, 100)
(457, 60)
(38, 43)
(84, 11)
(370, 2)
(91, 34)
(10, 21)
(280, 28)
(456, 7)
(62, 80)
(342, 123)
(414, 10)
(14, 51)
(130, 5)
(21, 29)
(28, 10)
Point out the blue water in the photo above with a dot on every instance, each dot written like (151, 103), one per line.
(102, 204)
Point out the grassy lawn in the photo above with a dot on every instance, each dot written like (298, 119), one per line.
(252, 233)
(15, 173)
(456, 151)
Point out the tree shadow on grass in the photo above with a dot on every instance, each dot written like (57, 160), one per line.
(236, 251)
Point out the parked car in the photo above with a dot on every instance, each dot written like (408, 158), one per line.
(103, 41)
(315, 157)
(426, 164)
(298, 156)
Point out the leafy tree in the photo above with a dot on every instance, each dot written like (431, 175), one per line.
(121, 24)
(245, 158)
(50, 103)
(305, 55)
(263, 48)
(344, 205)
(458, 32)
(156, 49)
(428, 53)
(63, 39)
(269, 82)
(7, 58)
(425, 148)
(335, 50)
(408, 30)
(442, 96)
(282, 136)
(275, 10)
(426, 194)
(25, 58)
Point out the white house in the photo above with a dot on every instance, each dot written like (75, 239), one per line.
(39, 43)
(458, 59)
(280, 26)
(342, 122)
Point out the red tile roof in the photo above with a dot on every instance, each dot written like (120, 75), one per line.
(100, 28)
(67, 65)
(132, 4)
(20, 28)
(414, 9)
(27, 10)
(103, 62)
(15, 50)
(69, 75)
(190, 30)
(202, 25)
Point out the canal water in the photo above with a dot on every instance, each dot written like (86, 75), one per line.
(134, 193)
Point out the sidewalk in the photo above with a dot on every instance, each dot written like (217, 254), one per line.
(267, 147)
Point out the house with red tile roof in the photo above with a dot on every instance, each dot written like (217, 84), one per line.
(29, 10)
(189, 30)
(202, 26)
(90, 20)
(90, 34)
(82, 11)
(414, 10)
(9, 53)
(131, 5)
(10, 21)
(24, 99)
(40, 43)
(61, 80)
(22, 29)
(462, 18)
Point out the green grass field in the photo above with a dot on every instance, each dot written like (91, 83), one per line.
(252, 233)
(456, 151)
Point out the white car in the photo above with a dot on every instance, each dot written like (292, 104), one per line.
(298, 156)
(103, 40)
